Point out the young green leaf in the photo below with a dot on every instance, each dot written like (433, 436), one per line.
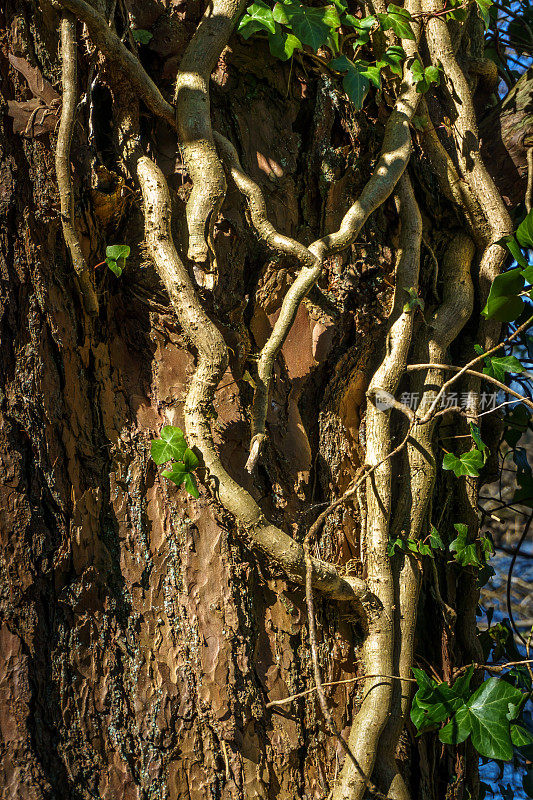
(282, 45)
(363, 27)
(435, 539)
(498, 367)
(466, 464)
(467, 553)
(312, 26)
(520, 736)
(424, 76)
(116, 255)
(514, 248)
(434, 702)
(189, 482)
(141, 36)
(179, 474)
(171, 445)
(484, 7)
(190, 460)
(414, 300)
(476, 438)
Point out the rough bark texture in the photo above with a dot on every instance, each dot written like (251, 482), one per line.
(139, 642)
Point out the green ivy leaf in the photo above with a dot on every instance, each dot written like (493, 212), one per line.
(259, 17)
(312, 26)
(141, 36)
(485, 718)
(434, 702)
(117, 251)
(527, 273)
(476, 438)
(414, 300)
(180, 473)
(503, 303)
(520, 736)
(498, 367)
(363, 27)
(524, 233)
(484, 11)
(393, 58)
(190, 460)
(116, 255)
(424, 76)
(171, 445)
(458, 728)
(396, 544)
(466, 552)
(514, 248)
(466, 464)
(435, 539)
(189, 482)
(355, 83)
(176, 473)
(397, 18)
(282, 45)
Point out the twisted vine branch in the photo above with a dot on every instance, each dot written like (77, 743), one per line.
(194, 123)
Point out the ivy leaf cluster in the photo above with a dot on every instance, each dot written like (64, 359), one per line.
(417, 548)
(487, 715)
(470, 553)
(426, 547)
(398, 20)
(172, 446)
(291, 26)
(424, 76)
(470, 463)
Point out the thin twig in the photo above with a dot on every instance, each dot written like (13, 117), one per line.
(467, 368)
(356, 679)
(462, 371)
(528, 201)
(510, 576)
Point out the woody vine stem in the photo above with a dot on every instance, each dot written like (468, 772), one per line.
(385, 602)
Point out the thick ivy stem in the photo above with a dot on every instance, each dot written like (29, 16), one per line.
(395, 153)
(497, 222)
(378, 649)
(194, 123)
(205, 337)
(445, 326)
(69, 79)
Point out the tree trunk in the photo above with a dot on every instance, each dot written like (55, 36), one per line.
(141, 641)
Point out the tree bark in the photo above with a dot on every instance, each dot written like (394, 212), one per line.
(140, 642)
